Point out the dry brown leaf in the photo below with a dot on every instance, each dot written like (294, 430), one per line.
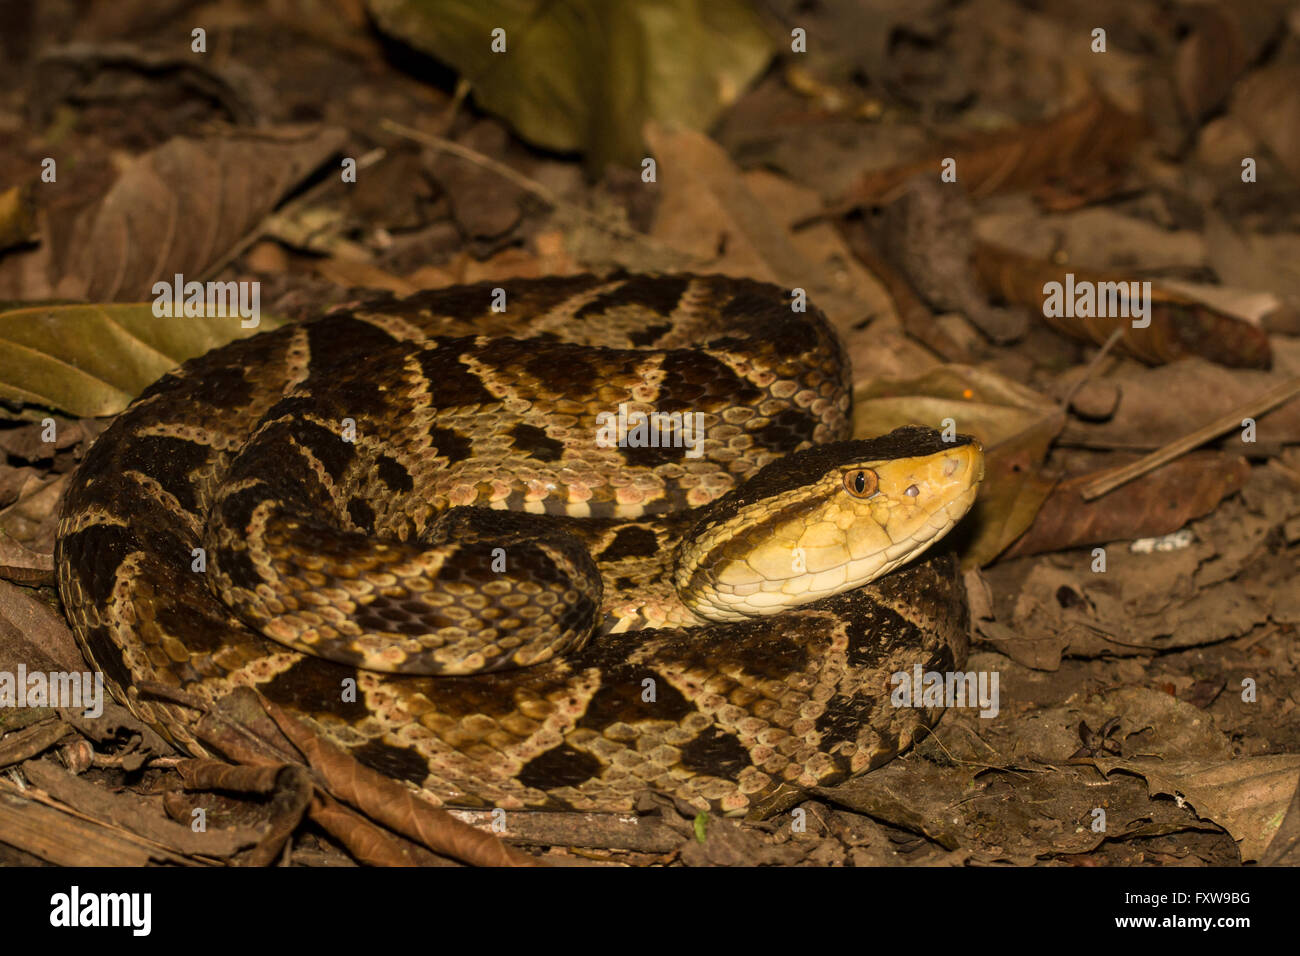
(371, 845)
(392, 804)
(1157, 503)
(29, 626)
(22, 565)
(1095, 133)
(841, 287)
(134, 813)
(708, 212)
(1179, 326)
(182, 207)
(289, 787)
(1166, 401)
(1247, 796)
(32, 519)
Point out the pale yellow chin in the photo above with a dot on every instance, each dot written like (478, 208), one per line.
(850, 541)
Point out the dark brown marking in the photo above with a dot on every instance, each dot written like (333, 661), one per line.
(315, 686)
(205, 623)
(716, 753)
(339, 338)
(694, 381)
(648, 457)
(392, 474)
(564, 369)
(561, 766)
(451, 444)
(224, 386)
(842, 719)
(326, 446)
(172, 461)
(786, 430)
(361, 514)
(864, 632)
(400, 763)
(451, 383)
(619, 701)
(535, 443)
(98, 551)
(236, 508)
(631, 542)
(648, 336)
(658, 294)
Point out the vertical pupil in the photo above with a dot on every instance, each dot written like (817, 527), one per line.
(860, 482)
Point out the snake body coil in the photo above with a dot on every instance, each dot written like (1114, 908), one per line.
(609, 540)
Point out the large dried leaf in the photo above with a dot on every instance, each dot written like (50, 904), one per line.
(1155, 504)
(390, 803)
(1178, 326)
(30, 631)
(1247, 796)
(91, 360)
(183, 207)
(1167, 401)
(586, 75)
(708, 197)
(1092, 135)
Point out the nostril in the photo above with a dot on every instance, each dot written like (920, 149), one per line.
(912, 491)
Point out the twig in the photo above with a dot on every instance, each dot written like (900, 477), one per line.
(544, 193)
(1112, 479)
(1091, 370)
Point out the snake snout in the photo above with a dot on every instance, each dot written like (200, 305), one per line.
(964, 464)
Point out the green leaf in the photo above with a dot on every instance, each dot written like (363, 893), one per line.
(586, 75)
(701, 823)
(91, 360)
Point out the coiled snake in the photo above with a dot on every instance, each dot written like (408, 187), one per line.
(405, 520)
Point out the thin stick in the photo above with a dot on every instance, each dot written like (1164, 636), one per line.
(1091, 370)
(1110, 480)
(543, 193)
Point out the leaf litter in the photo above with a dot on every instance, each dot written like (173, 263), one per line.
(1144, 641)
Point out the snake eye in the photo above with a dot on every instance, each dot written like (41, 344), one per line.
(860, 482)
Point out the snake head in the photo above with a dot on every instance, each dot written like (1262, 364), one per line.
(826, 520)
